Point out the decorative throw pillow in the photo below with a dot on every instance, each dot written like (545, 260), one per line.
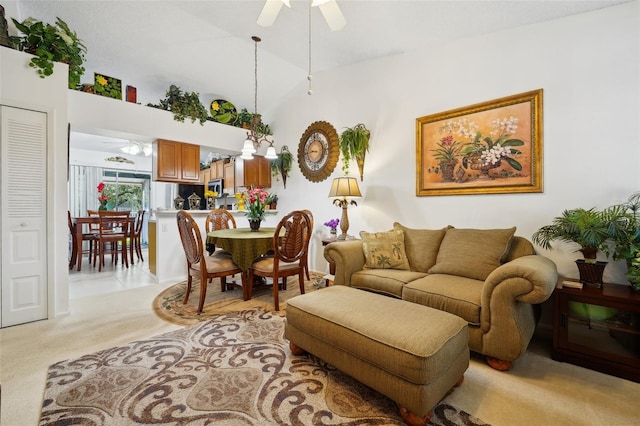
(384, 250)
(472, 253)
(421, 246)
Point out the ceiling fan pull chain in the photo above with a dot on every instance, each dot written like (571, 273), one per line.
(309, 76)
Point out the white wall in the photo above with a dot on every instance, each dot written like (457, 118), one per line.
(21, 87)
(588, 66)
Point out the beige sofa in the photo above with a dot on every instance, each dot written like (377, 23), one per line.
(488, 277)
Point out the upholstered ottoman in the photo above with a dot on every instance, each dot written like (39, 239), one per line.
(383, 342)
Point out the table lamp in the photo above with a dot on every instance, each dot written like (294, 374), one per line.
(344, 187)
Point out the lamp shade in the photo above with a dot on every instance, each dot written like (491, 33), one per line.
(345, 187)
(271, 153)
(248, 146)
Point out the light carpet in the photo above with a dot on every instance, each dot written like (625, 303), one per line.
(233, 370)
(168, 304)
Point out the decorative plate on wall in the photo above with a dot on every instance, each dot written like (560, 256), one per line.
(223, 111)
(318, 151)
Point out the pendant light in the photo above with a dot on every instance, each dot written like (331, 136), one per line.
(254, 138)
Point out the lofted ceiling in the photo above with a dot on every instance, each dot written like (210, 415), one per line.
(205, 46)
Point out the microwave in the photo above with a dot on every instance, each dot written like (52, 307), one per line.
(216, 185)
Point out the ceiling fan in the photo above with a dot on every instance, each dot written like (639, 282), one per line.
(329, 9)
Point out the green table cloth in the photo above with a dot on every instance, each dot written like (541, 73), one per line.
(244, 245)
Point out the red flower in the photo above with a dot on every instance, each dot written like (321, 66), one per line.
(101, 187)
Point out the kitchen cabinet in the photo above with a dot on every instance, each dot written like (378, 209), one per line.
(217, 169)
(176, 162)
(254, 172)
(598, 328)
(229, 176)
(205, 176)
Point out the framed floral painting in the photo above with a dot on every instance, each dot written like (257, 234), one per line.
(487, 148)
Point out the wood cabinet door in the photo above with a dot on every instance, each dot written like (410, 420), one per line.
(219, 169)
(190, 163)
(264, 173)
(229, 176)
(205, 176)
(167, 162)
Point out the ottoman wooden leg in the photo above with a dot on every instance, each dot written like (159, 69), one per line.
(411, 419)
(296, 350)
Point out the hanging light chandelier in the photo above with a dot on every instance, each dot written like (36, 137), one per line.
(254, 137)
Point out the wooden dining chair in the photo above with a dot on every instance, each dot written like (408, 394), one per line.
(198, 265)
(306, 266)
(135, 241)
(290, 253)
(91, 237)
(115, 230)
(219, 219)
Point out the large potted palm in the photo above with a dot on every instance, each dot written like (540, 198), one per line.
(593, 231)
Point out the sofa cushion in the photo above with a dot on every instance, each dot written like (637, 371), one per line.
(472, 253)
(384, 281)
(421, 246)
(453, 294)
(384, 250)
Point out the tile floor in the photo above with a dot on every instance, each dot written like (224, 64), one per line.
(112, 278)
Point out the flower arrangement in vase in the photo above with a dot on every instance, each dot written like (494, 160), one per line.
(211, 199)
(101, 197)
(255, 201)
(333, 226)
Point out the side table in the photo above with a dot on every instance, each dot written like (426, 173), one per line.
(598, 328)
(329, 240)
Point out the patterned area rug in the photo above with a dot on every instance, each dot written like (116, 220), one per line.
(233, 370)
(168, 304)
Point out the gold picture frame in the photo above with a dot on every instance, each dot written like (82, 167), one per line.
(493, 147)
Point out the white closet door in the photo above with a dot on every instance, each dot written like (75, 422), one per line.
(23, 202)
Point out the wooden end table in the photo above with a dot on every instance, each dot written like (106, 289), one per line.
(598, 328)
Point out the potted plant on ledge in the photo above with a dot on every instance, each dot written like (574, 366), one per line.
(51, 43)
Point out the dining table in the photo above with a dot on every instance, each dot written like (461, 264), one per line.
(79, 224)
(244, 245)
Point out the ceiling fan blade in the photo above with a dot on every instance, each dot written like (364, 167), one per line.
(270, 12)
(332, 14)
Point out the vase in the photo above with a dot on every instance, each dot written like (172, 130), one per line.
(211, 203)
(591, 272)
(102, 207)
(447, 168)
(333, 232)
(254, 224)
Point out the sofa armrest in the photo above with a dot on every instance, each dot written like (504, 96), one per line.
(348, 258)
(507, 319)
(528, 279)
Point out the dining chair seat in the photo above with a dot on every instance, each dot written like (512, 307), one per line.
(266, 265)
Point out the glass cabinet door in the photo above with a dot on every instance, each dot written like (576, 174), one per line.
(602, 329)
